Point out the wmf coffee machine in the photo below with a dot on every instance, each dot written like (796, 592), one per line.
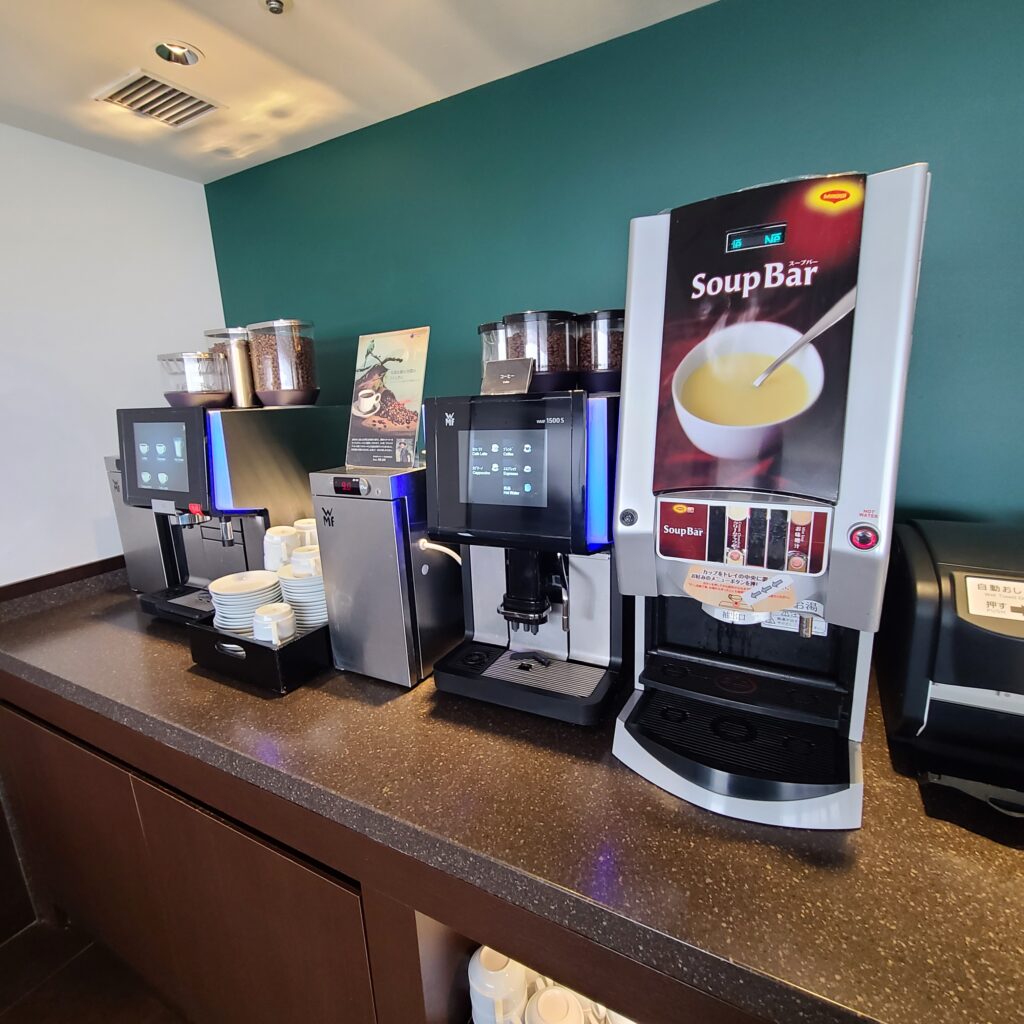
(213, 481)
(756, 524)
(522, 481)
(393, 601)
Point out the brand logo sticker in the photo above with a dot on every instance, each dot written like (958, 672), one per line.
(449, 419)
(327, 514)
(834, 195)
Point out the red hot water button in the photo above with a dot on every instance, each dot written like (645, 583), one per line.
(863, 537)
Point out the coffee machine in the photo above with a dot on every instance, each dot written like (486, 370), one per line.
(755, 525)
(523, 483)
(213, 481)
(393, 602)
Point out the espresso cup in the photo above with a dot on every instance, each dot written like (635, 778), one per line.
(278, 544)
(497, 986)
(273, 622)
(307, 531)
(306, 561)
(368, 400)
(555, 1005)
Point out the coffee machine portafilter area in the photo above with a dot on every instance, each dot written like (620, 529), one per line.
(213, 481)
(522, 482)
(754, 526)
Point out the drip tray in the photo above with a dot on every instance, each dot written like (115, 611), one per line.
(737, 752)
(571, 691)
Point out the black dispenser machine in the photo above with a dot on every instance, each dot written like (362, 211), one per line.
(522, 482)
(950, 659)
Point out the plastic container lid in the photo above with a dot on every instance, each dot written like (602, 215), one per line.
(538, 315)
(227, 332)
(191, 355)
(494, 325)
(603, 314)
(279, 323)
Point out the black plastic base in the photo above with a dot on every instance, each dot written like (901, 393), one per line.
(161, 604)
(462, 671)
(739, 752)
(258, 662)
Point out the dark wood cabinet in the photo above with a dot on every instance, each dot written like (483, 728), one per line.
(261, 937)
(229, 928)
(76, 814)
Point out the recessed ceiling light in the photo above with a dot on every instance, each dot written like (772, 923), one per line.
(178, 53)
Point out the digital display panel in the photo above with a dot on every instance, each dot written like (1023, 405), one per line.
(759, 237)
(503, 467)
(161, 459)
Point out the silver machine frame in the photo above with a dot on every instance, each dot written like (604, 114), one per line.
(850, 591)
(394, 602)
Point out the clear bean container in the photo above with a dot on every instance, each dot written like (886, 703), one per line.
(548, 336)
(599, 348)
(283, 362)
(493, 342)
(195, 379)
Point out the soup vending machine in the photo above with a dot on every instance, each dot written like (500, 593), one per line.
(755, 494)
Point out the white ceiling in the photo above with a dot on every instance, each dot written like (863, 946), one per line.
(284, 82)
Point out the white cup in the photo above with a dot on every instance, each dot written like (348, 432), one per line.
(368, 401)
(278, 544)
(306, 561)
(555, 1005)
(497, 986)
(273, 622)
(307, 531)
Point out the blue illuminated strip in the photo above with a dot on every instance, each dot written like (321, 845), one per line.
(220, 476)
(597, 496)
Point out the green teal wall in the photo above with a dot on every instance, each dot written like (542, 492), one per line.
(518, 195)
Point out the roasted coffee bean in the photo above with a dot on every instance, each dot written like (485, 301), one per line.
(281, 361)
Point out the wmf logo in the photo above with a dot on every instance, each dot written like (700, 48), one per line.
(449, 419)
(328, 516)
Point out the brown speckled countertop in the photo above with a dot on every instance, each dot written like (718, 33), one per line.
(908, 920)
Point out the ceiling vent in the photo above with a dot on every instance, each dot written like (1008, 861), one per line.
(149, 96)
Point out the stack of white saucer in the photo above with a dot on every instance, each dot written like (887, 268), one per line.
(236, 598)
(302, 583)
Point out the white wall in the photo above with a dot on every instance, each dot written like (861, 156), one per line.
(103, 265)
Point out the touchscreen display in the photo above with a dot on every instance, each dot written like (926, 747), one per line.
(503, 467)
(161, 460)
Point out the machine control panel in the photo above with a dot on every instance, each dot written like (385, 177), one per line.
(351, 485)
(784, 538)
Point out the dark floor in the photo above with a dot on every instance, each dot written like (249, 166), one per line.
(50, 976)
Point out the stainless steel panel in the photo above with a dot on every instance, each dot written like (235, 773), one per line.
(139, 539)
(591, 593)
(268, 455)
(363, 547)
(486, 571)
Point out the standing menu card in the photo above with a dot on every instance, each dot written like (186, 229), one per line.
(386, 399)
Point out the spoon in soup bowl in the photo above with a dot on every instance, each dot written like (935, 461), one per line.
(842, 308)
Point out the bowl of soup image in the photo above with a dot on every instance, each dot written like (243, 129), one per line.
(713, 391)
